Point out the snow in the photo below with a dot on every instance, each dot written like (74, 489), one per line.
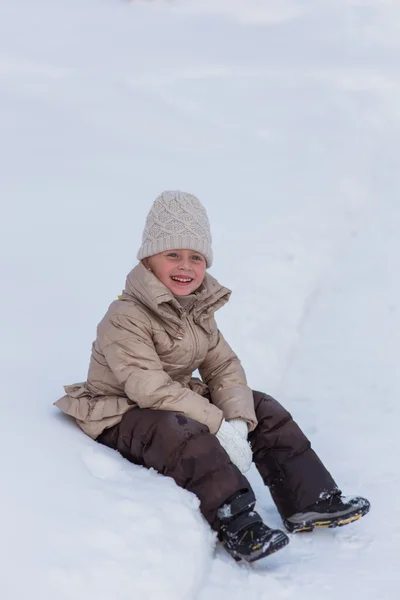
(283, 118)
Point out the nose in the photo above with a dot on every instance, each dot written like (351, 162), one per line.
(184, 263)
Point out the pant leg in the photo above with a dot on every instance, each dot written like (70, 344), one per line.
(285, 460)
(181, 448)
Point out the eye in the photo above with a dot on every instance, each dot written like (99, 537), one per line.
(172, 254)
(197, 257)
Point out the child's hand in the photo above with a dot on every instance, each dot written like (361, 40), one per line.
(235, 445)
(241, 427)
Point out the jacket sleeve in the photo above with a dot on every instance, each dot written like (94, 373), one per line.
(223, 373)
(130, 353)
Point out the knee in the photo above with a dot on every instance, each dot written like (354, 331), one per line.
(270, 410)
(176, 442)
(169, 427)
(179, 427)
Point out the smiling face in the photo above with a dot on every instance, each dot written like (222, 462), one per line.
(181, 271)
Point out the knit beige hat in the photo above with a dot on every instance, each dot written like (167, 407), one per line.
(176, 221)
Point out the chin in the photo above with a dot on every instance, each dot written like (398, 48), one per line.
(184, 291)
(181, 292)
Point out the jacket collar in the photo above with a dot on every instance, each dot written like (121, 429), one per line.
(144, 286)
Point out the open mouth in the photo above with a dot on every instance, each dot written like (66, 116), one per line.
(181, 280)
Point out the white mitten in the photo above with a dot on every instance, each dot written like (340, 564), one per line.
(241, 427)
(235, 445)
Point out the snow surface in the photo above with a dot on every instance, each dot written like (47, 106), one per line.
(283, 116)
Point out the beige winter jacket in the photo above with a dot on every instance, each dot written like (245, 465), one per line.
(147, 348)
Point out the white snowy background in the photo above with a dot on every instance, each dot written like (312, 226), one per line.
(284, 118)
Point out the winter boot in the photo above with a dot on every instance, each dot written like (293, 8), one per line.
(242, 531)
(334, 511)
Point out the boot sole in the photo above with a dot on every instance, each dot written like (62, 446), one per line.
(277, 542)
(327, 523)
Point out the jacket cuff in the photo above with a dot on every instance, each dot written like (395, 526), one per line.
(236, 403)
(213, 418)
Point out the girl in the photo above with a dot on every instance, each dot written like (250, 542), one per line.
(140, 397)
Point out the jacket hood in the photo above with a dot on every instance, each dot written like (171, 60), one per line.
(143, 286)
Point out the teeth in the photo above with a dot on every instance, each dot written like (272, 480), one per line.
(181, 279)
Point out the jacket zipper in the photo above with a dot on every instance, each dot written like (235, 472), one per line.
(194, 337)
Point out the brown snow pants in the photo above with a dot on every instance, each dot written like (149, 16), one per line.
(185, 450)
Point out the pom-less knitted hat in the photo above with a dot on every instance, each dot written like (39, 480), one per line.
(176, 221)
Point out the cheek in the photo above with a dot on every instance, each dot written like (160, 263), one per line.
(200, 271)
(163, 274)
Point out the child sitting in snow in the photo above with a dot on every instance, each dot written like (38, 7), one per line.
(140, 397)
